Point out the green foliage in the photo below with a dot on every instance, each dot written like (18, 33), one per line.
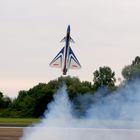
(1, 100)
(5, 101)
(1, 94)
(132, 71)
(104, 77)
(75, 86)
(30, 103)
(19, 121)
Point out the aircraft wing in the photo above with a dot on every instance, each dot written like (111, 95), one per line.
(63, 40)
(57, 61)
(71, 40)
(73, 61)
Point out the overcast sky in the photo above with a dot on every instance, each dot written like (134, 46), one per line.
(106, 32)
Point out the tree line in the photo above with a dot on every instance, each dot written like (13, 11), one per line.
(33, 103)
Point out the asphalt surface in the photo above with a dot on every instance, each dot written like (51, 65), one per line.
(14, 133)
(10, 133)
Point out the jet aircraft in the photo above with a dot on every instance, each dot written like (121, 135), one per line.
(66, 59)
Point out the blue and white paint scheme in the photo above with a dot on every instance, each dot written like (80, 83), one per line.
(66, 59)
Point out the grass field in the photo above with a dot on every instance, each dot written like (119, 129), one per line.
(95, 123)
(18, 121)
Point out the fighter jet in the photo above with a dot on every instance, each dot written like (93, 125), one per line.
(66, 59)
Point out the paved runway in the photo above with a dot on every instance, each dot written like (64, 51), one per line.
(14, 133)
(10, 133)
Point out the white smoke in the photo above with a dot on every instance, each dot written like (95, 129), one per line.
(123, 104)
(110, 113)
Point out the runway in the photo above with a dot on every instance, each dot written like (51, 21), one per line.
(11, 133)
(14, 133)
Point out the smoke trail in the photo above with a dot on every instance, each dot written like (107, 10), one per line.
(59, 110)
(120, 109)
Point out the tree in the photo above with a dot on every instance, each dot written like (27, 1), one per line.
(136, 61)
(1, 94)
(7, 101)
(132, 71)
(86, 87)
(75, 86)
(104, 77)
(1, 100)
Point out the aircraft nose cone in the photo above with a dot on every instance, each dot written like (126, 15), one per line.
(68, 29)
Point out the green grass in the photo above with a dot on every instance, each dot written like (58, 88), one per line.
(95, 123)
(19, 121)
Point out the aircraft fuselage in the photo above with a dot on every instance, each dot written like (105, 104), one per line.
(66, 50)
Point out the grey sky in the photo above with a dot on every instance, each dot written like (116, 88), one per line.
(106, 32)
